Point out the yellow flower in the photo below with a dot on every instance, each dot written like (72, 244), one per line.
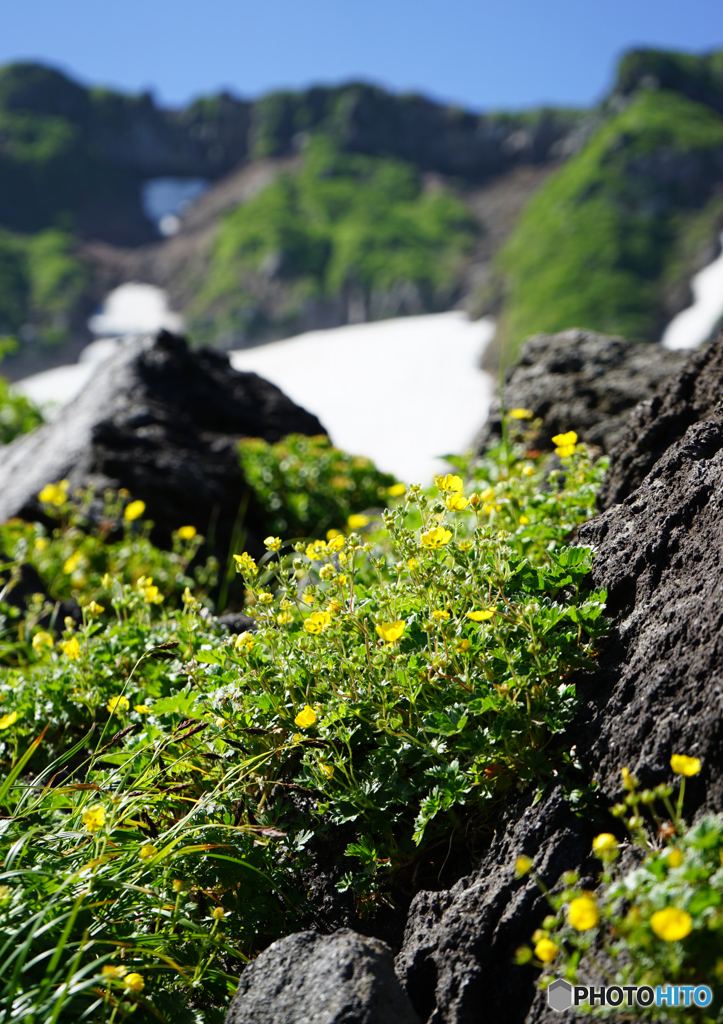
(186, 532)
(528, 470)
(450, 482)
(306, 717)
(671, 924)
(107, 580)
(284, 618)
(565, 443)
(675, 858)
(246, 564)
(55, 494)
(273, 543)
(523, 865)
(178, 885)
(244, 642)
(41, 642)
(317, 622)
(308, 597)
(316, 551)
(565, 439)
(152, 595)
(520, 414)
(396, 490)
(70, 648)
(480, 614)
(333, 608)
(41, 543)
(114, 971)
(134, 982)
(413, 564)
(190, 600)
(7, 720)
(437, 537)
(456, 503)
(71, 564)
(583, 913)
(488, 494)
(684, 765)
(118, 704)
(134, 511)
(628, 780)
(604, 843)
(524, 520)
(440, 614)
(464, 645)
(326, 769)
(142, 709)
(358, 521)
(265, 597)
(336, 543)
(391, 631)
(546, 950)
(332, 533)
(94, 817)
(218, 913)
(94, 609)
(147, 852)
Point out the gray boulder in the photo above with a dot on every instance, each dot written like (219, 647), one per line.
(308, 978)
(583, 381)
(162, 421)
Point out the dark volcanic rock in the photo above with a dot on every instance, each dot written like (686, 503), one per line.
(579, 380)
(457, 959)
(322, 979)
(163, 422)
(695, 393)
(659, 688)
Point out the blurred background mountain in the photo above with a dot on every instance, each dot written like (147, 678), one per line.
(341, 205)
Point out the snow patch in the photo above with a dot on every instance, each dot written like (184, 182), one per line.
(135, 309)
(695, 325)
(403, 392)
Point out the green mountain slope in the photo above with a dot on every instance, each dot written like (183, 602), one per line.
(610, 238)
(346, 224)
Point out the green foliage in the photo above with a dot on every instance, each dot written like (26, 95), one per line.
(342, 220)
(657, 923)
(94, 540)
(42, 282)
(595, 245)
(697, 76)
(181, 777)
(17, 414)
(306, 486)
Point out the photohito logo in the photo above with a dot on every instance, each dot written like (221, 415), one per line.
(561, 995)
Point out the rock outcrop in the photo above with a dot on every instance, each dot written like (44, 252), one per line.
(322, 979)
(163, 422)
(693, 394)
(583, 381)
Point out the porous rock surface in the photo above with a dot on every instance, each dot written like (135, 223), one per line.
(580, 380)
(162, 421)
(456, 962)
(308, 978)
(692, 394)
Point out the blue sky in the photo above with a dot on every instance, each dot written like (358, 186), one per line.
(476, 53)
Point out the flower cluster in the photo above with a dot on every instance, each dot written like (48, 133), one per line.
(658, 922)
